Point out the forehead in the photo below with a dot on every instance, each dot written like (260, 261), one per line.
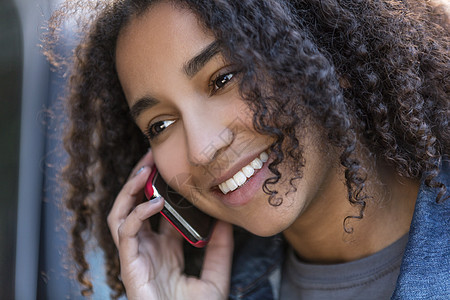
(157, 43)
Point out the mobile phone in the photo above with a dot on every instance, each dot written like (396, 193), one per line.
(193, 224)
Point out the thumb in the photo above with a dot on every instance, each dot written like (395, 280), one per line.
(218, 257)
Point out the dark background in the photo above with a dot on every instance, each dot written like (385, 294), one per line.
(10, 106)
(35, 259)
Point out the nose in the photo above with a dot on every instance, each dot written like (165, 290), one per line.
(206, 136)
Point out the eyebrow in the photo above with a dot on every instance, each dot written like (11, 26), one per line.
(190, 68)
(141, 105)
(195, 64)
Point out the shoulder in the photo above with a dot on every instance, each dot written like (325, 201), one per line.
(257, 265)
(425, 270)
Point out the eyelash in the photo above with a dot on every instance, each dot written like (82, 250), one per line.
(221, 79)
(152, 130)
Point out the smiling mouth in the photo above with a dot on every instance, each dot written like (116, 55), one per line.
(241, 177)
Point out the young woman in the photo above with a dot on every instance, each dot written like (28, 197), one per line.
(335, 112)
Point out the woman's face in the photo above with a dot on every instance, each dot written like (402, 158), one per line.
(185, 97)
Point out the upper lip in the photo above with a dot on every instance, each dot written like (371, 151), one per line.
(223, 176)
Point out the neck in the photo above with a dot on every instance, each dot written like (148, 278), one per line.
(318, 235)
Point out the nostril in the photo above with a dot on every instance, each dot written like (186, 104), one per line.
(205, 148)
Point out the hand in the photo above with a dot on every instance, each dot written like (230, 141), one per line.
(152, 262)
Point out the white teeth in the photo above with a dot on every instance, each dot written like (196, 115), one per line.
(224, 187)
(264, 157)
(232, 185)
(240, 178)
(256, 164)
(246, 172)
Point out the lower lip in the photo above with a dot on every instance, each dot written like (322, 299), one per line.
(245, 193)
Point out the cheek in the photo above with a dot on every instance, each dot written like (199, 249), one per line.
(170, 159)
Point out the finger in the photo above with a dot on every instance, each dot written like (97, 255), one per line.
(130, 194)
(146, 160)
(129, 229)
(218, 257)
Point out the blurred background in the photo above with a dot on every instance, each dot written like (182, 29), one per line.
(34, 261)
(10, 105)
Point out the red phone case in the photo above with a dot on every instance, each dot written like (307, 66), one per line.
(176, 218)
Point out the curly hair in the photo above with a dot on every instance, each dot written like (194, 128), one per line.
(370, 73)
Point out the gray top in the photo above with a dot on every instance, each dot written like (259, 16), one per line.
(372, 277)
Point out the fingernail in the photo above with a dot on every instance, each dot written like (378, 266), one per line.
(140, 170)
(156, 199)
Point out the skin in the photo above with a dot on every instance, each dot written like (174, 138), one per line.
(210, 138)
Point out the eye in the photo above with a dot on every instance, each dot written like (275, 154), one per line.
(154, 129)
(219, 82)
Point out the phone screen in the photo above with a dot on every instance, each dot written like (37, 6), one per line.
(193, 224)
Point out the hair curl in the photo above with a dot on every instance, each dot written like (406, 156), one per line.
(371, 73)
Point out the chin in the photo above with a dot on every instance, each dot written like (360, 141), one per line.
(266, 229)
(273, 221)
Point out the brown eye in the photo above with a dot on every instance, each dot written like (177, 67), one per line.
(156, 128)
(220, 81)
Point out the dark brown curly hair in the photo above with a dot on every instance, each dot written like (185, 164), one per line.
(371, 73)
